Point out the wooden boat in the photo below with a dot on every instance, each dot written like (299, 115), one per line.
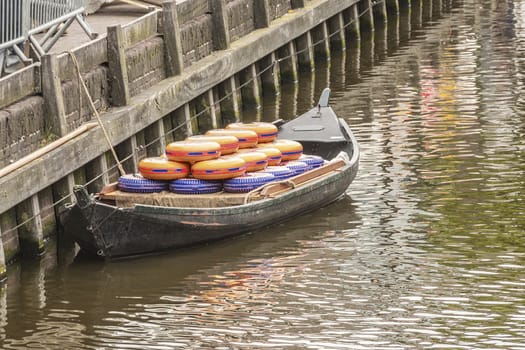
(114, 224)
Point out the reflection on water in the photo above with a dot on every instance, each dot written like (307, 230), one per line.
(427, 250)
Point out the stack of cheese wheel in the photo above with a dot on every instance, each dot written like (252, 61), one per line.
(266, 132)
(199, 163)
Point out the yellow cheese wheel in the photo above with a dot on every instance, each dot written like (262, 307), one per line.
(158, 168)
(225, 167)
(266, 132)
(290, 150)
(184, 151)
(229, 143)
(247, 138)
(255, 161)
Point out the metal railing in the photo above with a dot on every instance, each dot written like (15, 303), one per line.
(21, 20)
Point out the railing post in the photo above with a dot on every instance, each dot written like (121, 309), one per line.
(53, 97)
(261, 11)
(118, 71)
(221, 31)
(297, 3)
(171, 32)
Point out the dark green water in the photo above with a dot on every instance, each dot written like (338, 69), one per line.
(426, 250)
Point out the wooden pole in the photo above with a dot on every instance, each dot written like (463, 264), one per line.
(118, 71)
(172, 42)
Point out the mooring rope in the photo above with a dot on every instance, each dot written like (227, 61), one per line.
(95, 112)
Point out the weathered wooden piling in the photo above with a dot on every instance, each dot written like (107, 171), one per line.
(3, 268)
(352, 25)
(366, 13)
(337, 33)
(427, 8)
(288, 62)
(31, 233)
(416, 17)
(437, 7)
(126, 152)
(230, 101)
(305, 53)
(392, 7)
(97, 168)
(380, 12)
(154, 138)
(321, 42)
(251, 87)
(269, 68)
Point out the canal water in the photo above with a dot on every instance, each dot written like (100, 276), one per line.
(427, 249)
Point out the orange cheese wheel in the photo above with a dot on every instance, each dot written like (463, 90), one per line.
(273, 154)
(266, 132)
(225, 167)
(255, 161)
(290, 150)
(184, 151)
(247, 138)
(158, 168)
(229, 144)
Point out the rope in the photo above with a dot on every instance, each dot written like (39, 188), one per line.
(94, 110)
